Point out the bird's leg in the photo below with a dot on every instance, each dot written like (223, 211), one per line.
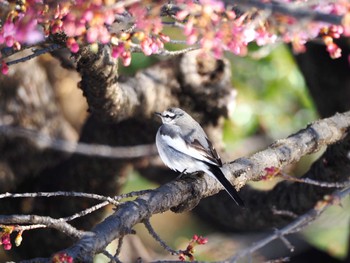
(181, 174)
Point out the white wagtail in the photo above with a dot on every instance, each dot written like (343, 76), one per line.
(183, 146)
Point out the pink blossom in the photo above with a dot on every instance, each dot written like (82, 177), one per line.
(334, 50)
(181, 15)
(92, 34)
(72, 45)
(118, 50)
(104, 36)
(146, 46)
(126, 58)
(88, 15)
(4, 68)
(6, 241)
(109, 17)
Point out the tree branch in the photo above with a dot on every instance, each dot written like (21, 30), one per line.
(58, 224)
(185, 190)
(88, 149)
(293, 227)
(290, 150)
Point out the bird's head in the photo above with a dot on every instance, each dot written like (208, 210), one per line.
(171, 115)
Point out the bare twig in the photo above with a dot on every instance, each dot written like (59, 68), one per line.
(293, 227)
(45, 141)
(285, 241)
(112, 258)
(36, 53)
(315, 182)
(119, 248)
(164, 52)
(85, 212)
(47, 221)
(61, 193)
(283, 213)
(153, 233)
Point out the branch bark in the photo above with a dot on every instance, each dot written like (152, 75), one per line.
(183, 191)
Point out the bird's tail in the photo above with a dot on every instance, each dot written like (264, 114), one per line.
(219, 175)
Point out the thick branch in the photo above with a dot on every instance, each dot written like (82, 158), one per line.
(290, 150)
(193, 80)
(184, 191)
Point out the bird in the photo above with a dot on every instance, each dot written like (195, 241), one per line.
(183, 146)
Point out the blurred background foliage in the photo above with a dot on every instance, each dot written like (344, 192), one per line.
(272, 103)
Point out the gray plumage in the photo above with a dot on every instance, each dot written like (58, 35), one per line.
(184, 146)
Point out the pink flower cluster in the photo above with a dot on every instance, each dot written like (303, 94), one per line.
(94, 24)
(189, 251)
(62, 258)
(84, 22)
(147, 34)
(205, 22)
(6, 241)
(5, 238)
(328, 35)
(20, 28)
(217, 29)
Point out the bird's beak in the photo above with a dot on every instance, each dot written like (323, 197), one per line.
(158, 114)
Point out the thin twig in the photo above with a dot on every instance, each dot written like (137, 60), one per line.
(119, 248)
(61, 193)
(111, 257)
(85, 212)
(36, 53)
(164, 52)
(88, 149)
(50, 222)
(284, 240)
(293, 227)
(153, 233)
(315, 182)
(283, 213)
(9, 51)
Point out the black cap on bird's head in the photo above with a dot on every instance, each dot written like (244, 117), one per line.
(170, 115)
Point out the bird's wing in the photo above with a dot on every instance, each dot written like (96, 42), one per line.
(193, 148)
(207, 151)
